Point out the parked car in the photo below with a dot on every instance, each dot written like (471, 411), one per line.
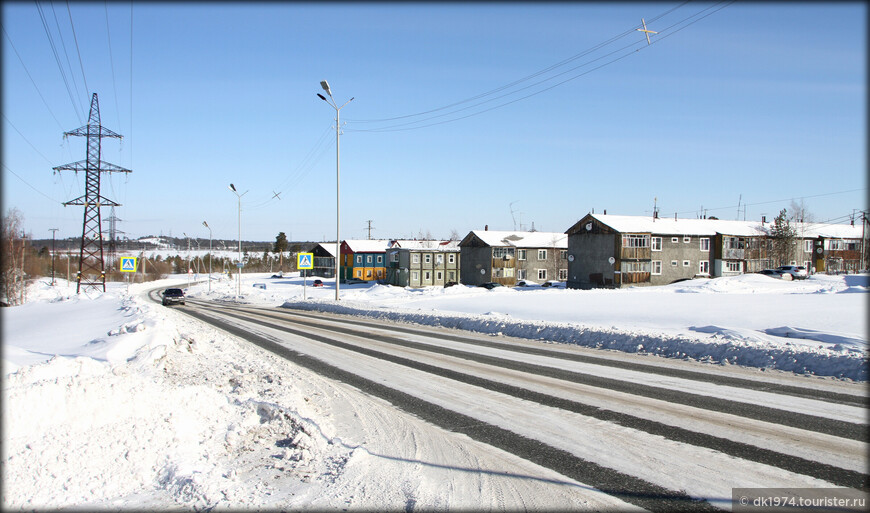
(526, 283)
(554, 283)
(171, 296)
(353, 281)
(318, 283)
(450, 284)
(773, 273)
(798, 272)
(490, 285)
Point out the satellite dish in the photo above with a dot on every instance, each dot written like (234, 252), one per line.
(611, 260)
(588, 227)
(483, 271)
(570, 258)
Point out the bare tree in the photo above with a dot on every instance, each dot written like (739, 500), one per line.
(12, 275)
(800, 212)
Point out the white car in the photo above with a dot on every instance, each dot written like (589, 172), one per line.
(797, 272)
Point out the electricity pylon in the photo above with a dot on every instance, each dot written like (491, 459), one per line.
(92, 271)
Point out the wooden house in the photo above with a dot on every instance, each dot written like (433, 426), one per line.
(506, 257)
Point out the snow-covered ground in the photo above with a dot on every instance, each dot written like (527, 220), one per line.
(112, 401)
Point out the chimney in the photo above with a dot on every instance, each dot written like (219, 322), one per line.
(763, 220)
(605, 211)
(486, 227)
(675, 216)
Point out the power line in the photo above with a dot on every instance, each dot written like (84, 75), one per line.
(57, 60)
(689, 20)
(28, 184)
(81, 64)
(777, 201)
(31, 77)
(26, 140)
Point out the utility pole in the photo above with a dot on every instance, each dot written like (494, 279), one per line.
(53, 231)
(92, 273)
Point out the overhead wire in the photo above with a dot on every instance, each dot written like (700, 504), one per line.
(406, 126)
(41, 97)
(78, 51)
(57, 60)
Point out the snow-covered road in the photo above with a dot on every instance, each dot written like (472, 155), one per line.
(666, 437)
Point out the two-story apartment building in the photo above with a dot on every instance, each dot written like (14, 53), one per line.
(324, 260)
(363, 259)
(506, 257)
(423, 263)
(613, 250)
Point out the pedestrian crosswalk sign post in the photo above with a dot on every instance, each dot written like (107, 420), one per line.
(128, 264)
(305, 261)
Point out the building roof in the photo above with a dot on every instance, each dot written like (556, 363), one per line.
(710, 227)
(431, 245)
(367, 246)
(329, 247)
(521, 239)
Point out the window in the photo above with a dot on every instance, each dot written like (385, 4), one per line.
(674, 263)
(542, 254)
(808, 246)
(733, 267)
(834, 244)
(359, 259)
(439, 259)
(675, 239)
(358, 273)
(368, 259)
(687, 239)
(705, 244)
(508, 272)
(635, 241)
(563, 254)
(427, 275)
(502, 252)
(686, 263)
(380, 259)
(394, 256)
(656, 266)
(439, 275)
(521, 254)
(521, 274)
(704, 267)
(656, 243)
(563, 274)
(635, 267)
(451, 275)
(427, 258)
(415, 258)
(542, 274)
(451, 258)
(415, 276)
(734, 243)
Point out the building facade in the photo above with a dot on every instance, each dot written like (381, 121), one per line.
(364, 259)
(507, 257)
(423, 263)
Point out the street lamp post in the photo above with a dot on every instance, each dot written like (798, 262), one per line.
(335, 106)
(209, 255)
(188, 259)
(239, 265)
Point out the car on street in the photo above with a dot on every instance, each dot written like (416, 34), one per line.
(526, 283)
(797, 272)
(490, 285)
(173, 296)
(773, 273)
(318, 283)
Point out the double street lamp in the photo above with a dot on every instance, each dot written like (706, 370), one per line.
(331, 101)
(239, 264)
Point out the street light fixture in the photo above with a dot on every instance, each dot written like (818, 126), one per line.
(239, 264)
(325, 85)
(209, 255)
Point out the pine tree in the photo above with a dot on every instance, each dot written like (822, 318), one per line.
(783, 236)
(280, 248)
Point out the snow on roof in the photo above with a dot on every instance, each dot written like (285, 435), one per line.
(523, 239)
(434, 245)
(670, 226)
(329, 247)
(367, 246)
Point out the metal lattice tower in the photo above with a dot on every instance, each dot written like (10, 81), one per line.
(92, 271)
(113, 237)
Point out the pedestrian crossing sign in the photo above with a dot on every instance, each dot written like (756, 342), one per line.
(305, 261)
(128, 264)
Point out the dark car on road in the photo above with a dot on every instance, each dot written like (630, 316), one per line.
(490, 285)
(171, 296)
(318, 283)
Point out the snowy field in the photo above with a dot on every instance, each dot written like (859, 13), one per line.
(112, 401)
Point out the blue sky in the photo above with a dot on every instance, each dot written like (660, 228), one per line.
(759, 104)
